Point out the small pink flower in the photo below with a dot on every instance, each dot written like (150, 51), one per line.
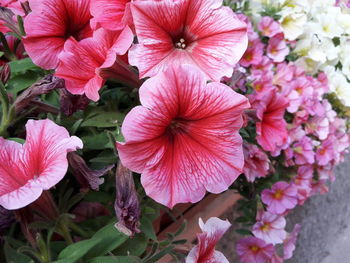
(289, 242)
(256, 162)
(254, 53)
(184, 139)
(254, 250)
(284, 75)
(201, 33)
(16, 8)
(303, 151)
(39, 164)
(50, 24)
(269, 27)
(277, 48)
(303, 182)
(318, 126)
(99, 53)
(263, 68)
(272, 128)
(270, 228)
(280, 198)
(205, 252)
(325, 152)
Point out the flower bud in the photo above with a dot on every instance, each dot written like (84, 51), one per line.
(127, 207)
(5, 73)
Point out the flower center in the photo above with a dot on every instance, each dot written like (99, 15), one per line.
(265, 228)
(254, 248)
(176, 126)
(181, 44)
(278, 194)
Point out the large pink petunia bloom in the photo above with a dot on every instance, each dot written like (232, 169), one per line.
(280, 198)
(98, 53)
(110, 14)
(50, 24)
(270, 228)
(39, 164)
(201, 33)
(184, 138)
(205, 252)
(272, 128)
(254, 250)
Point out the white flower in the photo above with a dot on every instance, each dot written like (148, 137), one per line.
(293, 25)
(340, 86)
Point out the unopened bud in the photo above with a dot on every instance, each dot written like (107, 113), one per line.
(84, 175)
(127, 207)
(5, 73)
(70, 103)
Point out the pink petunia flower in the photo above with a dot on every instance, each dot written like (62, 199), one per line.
(50, 24)
(254, 53)
(289, 242)
(254, 250)
(205, 252)
(277, 48)
(39, 164)
(110, 14)
(256, 162)
(15, 7)
(269, 27)
(272, 128)
(325, 152)
(201, 33)
(270, 228)
(303, 151)
(184, 138)
(303, 182)
(280, 198)
(99, 53)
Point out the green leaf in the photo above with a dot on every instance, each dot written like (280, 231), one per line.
(147, 228)
(243, 232)
(133, 246)
(161, 254)
(102, 119)
(12, 256)
(22, 81)
(19, 140)
(76, 251)
(119, 259)
(110, 238)
(95, 142)
(23, 65)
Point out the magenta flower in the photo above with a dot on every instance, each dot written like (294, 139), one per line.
(99, 53)
(303, 151)
(39, 164)
(50, 24)
(277, 48)
(280, 198)
(270, 228)
(205, 252)
(289, 242)
(110, 14)
(201, 33)
(254, 250)
(184, 138)
(272, 128)
(325, 153)
(256, 162)
(269, 27)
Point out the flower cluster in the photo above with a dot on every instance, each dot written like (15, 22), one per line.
(190, 95)
(321, 30)
(295, 125)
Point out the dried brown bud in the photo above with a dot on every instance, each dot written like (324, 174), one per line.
(5, 73)
(26, 8)
(86, 177)
(43, 86)
(7, 217)
(127, 207)
(70, 103)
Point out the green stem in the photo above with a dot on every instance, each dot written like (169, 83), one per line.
(5, 105)
(66, 233)
(78, 230)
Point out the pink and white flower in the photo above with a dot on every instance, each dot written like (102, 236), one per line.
(205, 252)
(37, 165)
(184, 138)
(201, 33)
